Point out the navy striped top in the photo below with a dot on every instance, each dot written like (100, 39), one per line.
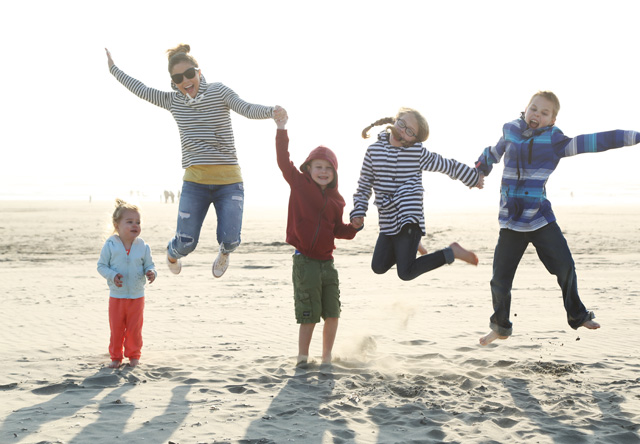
(395, 175)
(204, 122)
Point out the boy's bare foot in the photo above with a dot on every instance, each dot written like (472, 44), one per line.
(327, 359)
(464, 254)
(492, 336)
(114, 364)
(591, 325)
(133, 362)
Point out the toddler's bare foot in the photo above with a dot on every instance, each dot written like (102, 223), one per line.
(134, 362)
(464, 254)
(591, 325)
(114, 364)
(492, 336)
(327, 359)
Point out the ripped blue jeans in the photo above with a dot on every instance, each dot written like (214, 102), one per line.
(195, 200)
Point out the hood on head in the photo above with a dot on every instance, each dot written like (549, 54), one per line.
(324, 153)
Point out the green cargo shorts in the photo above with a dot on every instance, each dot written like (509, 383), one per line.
(316, 289)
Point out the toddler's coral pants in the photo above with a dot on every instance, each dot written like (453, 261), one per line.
(125, 320)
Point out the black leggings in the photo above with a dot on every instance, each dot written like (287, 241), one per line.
(400, 249)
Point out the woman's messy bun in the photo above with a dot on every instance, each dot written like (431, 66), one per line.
(180, 54)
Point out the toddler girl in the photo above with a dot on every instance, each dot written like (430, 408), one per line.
(125, 262)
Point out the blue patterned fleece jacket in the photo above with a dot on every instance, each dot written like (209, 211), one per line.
(530, 156)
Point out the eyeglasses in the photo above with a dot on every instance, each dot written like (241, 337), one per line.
(401, 124)
(189, 74)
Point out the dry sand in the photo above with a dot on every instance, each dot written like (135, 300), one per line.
(219, 354)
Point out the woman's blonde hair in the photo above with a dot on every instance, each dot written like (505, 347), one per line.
(423, 126)
(180, 54)
(121, 207)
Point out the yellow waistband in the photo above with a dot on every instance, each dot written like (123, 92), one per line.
(213, 174)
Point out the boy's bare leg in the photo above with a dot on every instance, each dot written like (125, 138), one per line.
(134, 362)
(114, 364)
(591, 325)
(304, 340)
(328, 338)
(464, 254)
(492, 336)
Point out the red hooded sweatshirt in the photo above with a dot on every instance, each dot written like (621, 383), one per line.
(315, 216)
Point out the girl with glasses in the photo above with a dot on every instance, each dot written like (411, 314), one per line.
(392, 169)
(212, 173)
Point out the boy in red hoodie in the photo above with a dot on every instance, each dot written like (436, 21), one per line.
(313, 223)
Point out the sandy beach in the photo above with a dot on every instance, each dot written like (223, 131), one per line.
(218, 362)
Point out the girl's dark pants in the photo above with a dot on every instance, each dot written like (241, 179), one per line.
(400, 249)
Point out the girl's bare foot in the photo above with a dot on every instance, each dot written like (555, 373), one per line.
(463, 254)
(114, 364)
(133, 362)
(489, 338)
(591, 325)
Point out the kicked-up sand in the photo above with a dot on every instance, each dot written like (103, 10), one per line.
(218, 362)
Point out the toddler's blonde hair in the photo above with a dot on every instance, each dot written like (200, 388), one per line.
(121, 207)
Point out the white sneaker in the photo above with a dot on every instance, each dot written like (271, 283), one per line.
(220, 264)
(174, 267)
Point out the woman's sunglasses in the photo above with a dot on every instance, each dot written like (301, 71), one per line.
(189, 74)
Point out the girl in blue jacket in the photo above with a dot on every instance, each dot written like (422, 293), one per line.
(126, 263)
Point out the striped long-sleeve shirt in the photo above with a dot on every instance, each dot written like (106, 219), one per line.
(204, 122)
(530, 156)
(395, 175)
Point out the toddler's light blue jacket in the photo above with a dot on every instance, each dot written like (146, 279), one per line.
(133, 267)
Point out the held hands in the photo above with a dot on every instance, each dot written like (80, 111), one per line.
(357, 222)
(109, 59)
(280, 116)
(151, 276)
(480, 183)
(118, 280)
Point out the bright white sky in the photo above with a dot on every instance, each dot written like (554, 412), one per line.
(468, 66)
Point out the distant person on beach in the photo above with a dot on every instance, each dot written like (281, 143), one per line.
(532, 147)
(126, 263)
(314, 222)
(212, 174)
(393, 168)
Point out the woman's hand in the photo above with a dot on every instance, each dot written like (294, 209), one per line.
(109, 59)
(280, 116)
